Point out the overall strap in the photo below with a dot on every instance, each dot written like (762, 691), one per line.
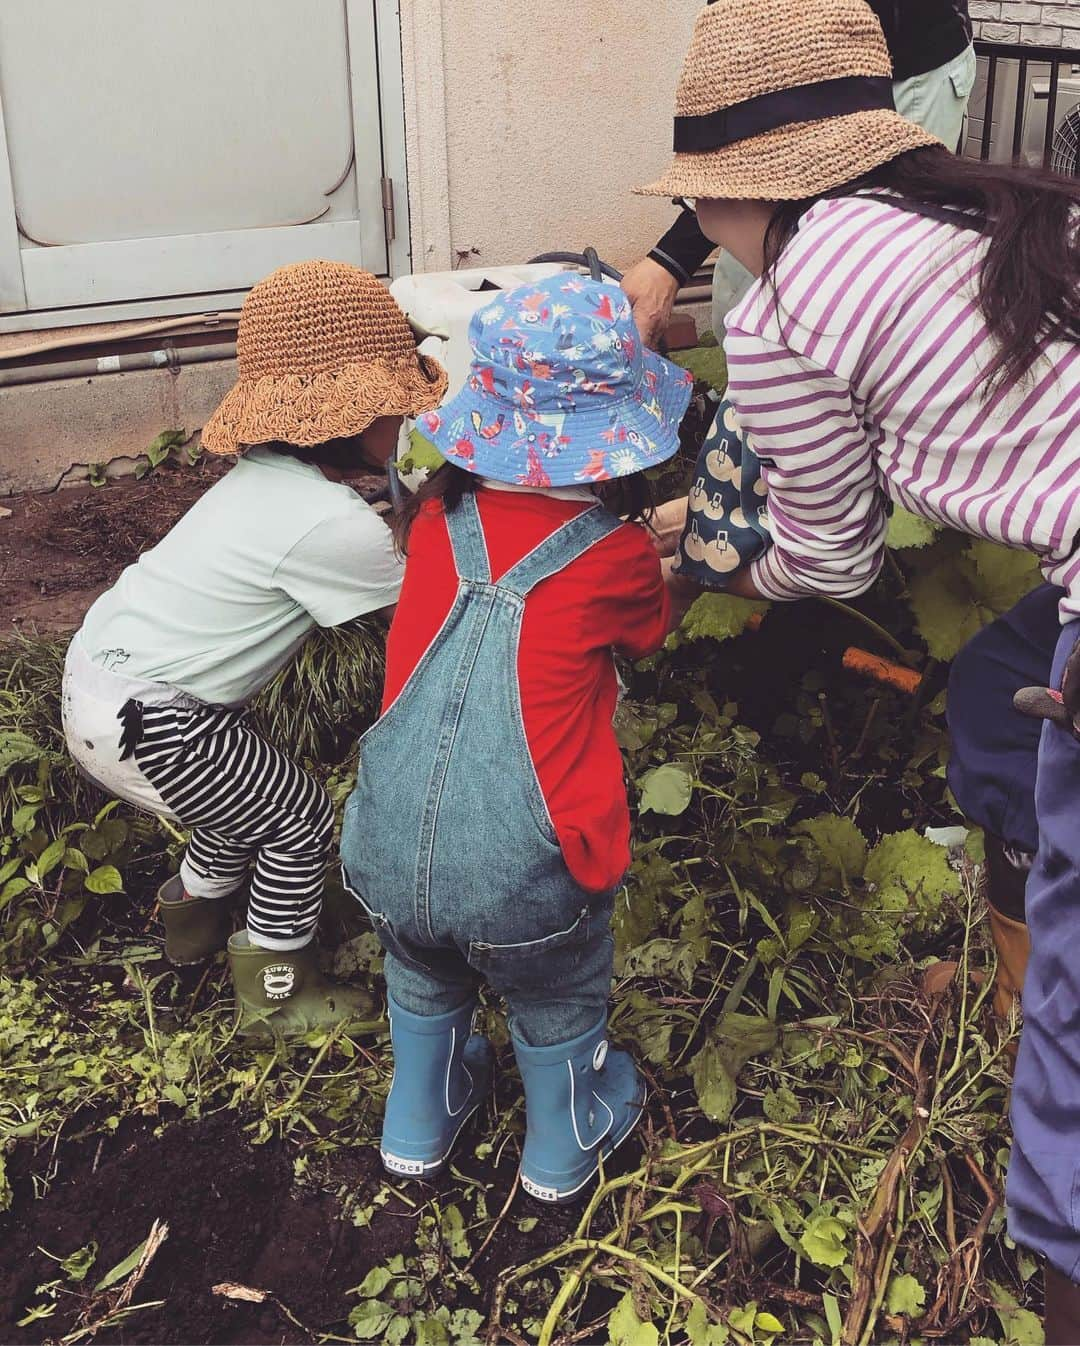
(559, 549)
(467, 540)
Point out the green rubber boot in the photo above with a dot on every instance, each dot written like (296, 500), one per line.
(285, 994)
(195, 927)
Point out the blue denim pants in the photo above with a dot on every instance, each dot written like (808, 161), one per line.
(447, 841)
(1023, 782)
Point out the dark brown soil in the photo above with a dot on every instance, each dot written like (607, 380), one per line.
(60, 549)
(234, 1215)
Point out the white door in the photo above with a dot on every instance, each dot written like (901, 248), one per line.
(160, 150)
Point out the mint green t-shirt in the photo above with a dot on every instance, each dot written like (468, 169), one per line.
(217, 607)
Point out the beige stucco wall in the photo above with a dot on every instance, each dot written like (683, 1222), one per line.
(528, 124)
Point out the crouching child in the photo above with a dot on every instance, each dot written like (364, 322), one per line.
(158, 678)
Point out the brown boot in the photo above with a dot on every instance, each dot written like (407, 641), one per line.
(1062, 1309)
(1013, 945)
(1005, 877)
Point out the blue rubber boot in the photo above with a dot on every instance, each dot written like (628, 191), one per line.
(581, 1101)
(441, 1074)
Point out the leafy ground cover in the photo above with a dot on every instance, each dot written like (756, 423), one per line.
(825, 1146)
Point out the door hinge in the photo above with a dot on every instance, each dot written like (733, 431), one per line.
(388, 209)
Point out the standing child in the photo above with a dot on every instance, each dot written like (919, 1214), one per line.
(158, 678)
(489, 828)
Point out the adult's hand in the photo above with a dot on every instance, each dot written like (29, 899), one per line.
(651, 290)
(1062, 708)
(666, 524)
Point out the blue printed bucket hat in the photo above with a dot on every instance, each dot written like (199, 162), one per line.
(561, 390)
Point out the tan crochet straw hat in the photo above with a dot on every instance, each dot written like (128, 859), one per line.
(780, 100)
(323, 351)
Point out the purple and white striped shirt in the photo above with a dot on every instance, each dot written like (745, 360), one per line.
(867, 379)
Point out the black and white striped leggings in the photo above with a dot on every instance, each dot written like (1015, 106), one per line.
(242, 800)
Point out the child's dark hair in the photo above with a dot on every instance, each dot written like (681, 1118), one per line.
(343, 455)
(630, 497)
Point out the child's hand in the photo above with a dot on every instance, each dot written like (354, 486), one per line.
(681, 593)
(666, 524)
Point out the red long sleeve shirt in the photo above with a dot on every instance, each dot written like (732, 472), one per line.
(611, 598)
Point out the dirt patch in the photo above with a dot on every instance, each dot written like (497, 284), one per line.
(232, 1214)
(59, 550)
(235, 1213)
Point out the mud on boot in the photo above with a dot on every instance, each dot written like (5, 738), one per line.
(442, 1071)
(581, 1101)
(195, 927)
(285, 994)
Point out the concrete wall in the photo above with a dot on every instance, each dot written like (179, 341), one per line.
(50, 432)
(528, 124)
(1047, 23)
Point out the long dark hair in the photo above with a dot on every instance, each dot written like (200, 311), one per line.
(631, 497)
(1029, 288)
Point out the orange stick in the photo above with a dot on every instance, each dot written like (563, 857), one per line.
(885, 671)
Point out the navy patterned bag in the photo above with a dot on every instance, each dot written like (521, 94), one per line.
(727, 522)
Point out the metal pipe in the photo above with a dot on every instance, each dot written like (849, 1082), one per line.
(174, 357)
(1018, 120)
(1051, 114)
(132, 332)
(988, 111)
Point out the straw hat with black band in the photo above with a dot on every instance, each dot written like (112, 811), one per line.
(323, 351)
(781, 100)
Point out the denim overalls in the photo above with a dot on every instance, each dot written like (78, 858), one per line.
(447, 841)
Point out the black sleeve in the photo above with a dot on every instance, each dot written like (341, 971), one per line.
(683, 248)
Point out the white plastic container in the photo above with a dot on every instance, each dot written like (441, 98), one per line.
(440, 305)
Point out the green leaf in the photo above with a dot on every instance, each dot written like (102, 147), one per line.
(429, 1330)
(738, 1037)
(840, 844)
(15, 747)
(906, 868)
(162, 446)
(22, 820)
(399, 1331)
(13, 888)
(104, 879)
(464, 1326)
(74, 859)
(833, 1317)
(905, 1296)
(768, 1323)
(374, 1283)
(956, 598)
(666, 789)
(719, 617)
(1005, 575)
(678, 959)
(370, 1319)
(421, 455)
(625, 1328)
(122, 1269)
(714, 1083)
(700, 1332)
(908, 530)
(823, 1241)
(50, 857)
(706, 363)
(79, 1263)
(780, 1105)
(453, 1232)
